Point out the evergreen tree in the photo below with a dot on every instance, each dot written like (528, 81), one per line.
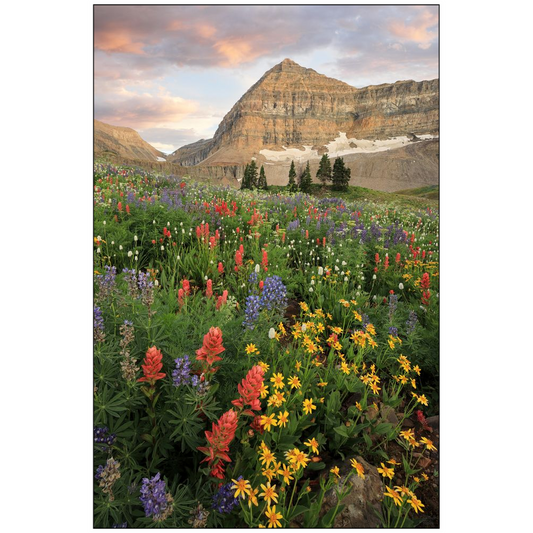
(262, 181)
(245, 178)
(306, 180)
(341, 175)
(292, 178)
(324, 170)
(252, 169)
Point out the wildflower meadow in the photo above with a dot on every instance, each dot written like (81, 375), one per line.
(259, 355)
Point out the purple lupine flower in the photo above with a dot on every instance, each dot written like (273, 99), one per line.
(146, 287)
(131, 279)
(393, 331)
(365, 320)
(252, 280)
(122, 525)
(223, 500)
(251, 311)
(182, 373)
(153, 496)
(274, 294)
(102, 436)
(98, 327)
(411, 322)
(106, 282)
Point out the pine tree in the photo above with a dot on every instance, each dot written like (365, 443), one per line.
(324, 170)
(245, 178)
(253, 174)
(292, 178)
(340, 173)
(306, 180)
(262, 181)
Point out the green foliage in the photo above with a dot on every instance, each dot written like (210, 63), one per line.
(262, 181)
(324, 170)
(306, 180)
(341, 175)
(291, 186)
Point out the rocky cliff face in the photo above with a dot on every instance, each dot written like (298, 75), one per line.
(292, 106)
(123, 142)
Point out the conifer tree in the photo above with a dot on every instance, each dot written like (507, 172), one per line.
(324, 170)
(306, 180)
(245, 178)
(341, 175)
(292, 178)
(262, 181)
(252, 169)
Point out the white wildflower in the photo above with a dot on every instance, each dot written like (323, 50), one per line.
(271, 333)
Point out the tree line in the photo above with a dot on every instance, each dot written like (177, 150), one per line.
(339, 176)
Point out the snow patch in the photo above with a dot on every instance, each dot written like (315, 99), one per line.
(289, 154)
(340, 147)
(161, 158)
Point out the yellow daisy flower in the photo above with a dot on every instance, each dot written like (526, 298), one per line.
(241, 487)
(308, 406)
(269, 493)
(273, 517)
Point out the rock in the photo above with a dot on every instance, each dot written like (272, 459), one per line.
(371, 413)
(433, 422)
(388, 415)
(365, 496)
(408, 423)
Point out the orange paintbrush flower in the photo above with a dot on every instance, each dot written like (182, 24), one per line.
(152, 366)
(211, 347)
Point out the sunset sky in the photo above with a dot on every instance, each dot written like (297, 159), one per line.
(173, 72)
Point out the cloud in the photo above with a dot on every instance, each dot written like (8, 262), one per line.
(206, 56)
(420, 29)
(123, 107)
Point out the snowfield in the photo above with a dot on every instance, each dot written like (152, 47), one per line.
(340, 147)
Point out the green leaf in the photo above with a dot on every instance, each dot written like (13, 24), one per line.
(367, 439)
(341, 430)
(382, 428)
(316, 466)
(298, 510)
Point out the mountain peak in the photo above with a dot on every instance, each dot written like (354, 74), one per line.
(288, 61)
(287, 64)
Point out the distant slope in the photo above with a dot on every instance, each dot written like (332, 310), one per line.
(123, 142)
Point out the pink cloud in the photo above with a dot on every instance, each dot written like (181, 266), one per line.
(120, 107)
(117, 40)
(418, 29)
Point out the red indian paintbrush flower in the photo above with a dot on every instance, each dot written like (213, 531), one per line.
(152, 366)
(209, 290)
(425, 281)
(219, 440)
(250, 390)
(211, 347)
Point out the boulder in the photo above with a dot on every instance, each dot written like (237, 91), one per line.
(363, 500)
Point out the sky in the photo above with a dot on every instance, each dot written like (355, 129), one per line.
(173, 72)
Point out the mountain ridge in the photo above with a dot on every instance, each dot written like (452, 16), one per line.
(294, 106)
(123, 142)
